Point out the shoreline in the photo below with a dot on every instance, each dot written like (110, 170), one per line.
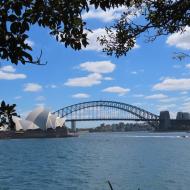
(31, 134)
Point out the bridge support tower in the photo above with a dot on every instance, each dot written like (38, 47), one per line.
(165, 122)
(73, 125)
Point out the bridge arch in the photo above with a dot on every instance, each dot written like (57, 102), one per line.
(134, 110)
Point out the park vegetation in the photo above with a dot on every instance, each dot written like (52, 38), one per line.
(7, 111)
(64, 21)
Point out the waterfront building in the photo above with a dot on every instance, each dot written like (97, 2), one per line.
(44, 119)
(40, 118)
(22, 124)
(183, 116)
(165, 122)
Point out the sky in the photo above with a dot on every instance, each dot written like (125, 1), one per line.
(147, 76)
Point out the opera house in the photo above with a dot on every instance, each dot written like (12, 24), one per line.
(39, 123)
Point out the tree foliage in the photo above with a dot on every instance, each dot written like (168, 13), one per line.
(6, 113)
(64, 20)
(161, 17)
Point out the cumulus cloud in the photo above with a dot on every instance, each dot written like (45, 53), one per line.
(94, 45)
(110, 14)
(8, 73)
(156, 96)
(108, 78)
(32, 87)
(98, 66)
(29, 42)
(8, 68)
(172, 84)
(81, 95)
(117, 89)
(180, 39)
(88, 81)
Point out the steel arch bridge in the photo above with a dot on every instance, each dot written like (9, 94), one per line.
(106, 110)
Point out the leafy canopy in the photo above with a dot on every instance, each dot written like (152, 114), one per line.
(6, 113)
(64, 20)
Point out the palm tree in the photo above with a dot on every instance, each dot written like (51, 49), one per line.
(6, 113)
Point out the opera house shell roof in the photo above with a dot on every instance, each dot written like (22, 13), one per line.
(40, 118)
(22, 124)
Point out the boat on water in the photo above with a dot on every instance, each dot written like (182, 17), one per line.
(185, 136)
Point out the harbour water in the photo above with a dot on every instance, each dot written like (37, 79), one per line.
(149, 161)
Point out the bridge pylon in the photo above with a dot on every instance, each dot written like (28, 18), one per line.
(73, 126)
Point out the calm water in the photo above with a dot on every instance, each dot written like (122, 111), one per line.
(149, 161)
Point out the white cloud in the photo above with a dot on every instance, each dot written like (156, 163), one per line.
(180, 39)
(94, 45)
(108, 78)
(11, 76)
(177, 66)
(88, 81)
(92, 39)
(8, 68)
(98, 66)
(186, 99)
(167, 100)
(40, 105)
(156, 96)
(30, 42)
(17, 97)
(51, 86)
(40, 98)
(184, 93)
(117, 89)
(185, 107)
(8, 73)
(187, 66)
(165, 107)
(110, 14)
(172, 84)
(81, 95)
(137, 72)
(32, 87)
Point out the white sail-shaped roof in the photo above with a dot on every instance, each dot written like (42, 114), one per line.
(34, 114)
(26, 125)
(18, 125)
(21, 124)
(60, 122)
(39, 117)
(51, 121)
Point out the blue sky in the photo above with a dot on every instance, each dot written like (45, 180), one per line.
(147, 77)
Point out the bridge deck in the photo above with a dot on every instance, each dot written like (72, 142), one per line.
(111, 119)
